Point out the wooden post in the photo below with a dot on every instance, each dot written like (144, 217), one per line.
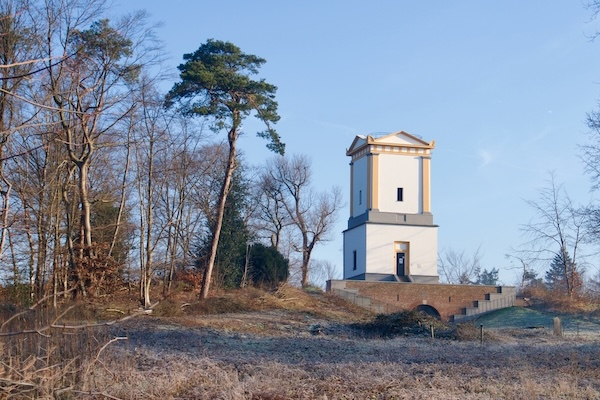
(558, 331)
(481, 334)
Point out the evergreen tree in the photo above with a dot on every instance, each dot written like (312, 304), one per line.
(231, 252)
(488, 277)
(216, 84)
(562, 275)
(530, 279)
(268, 267)
(555, 275)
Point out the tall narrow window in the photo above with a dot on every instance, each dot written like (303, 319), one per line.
(354, 260)
(400, 194)
(360, 197)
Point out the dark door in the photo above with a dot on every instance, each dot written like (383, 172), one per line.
(400, 258)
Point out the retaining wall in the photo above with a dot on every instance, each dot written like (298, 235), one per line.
(452, 302)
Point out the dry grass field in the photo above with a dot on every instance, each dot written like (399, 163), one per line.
(291, 345)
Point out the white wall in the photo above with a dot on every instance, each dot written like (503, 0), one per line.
(381, 256)
(354, 240)
(400, 171)
(359, 184)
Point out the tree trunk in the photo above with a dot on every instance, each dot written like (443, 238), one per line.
(71, 271)
(220, 212)
(122, 194)
(172, 251)
(5, 208)
(86, 224)
(149, 221)
(58, 265)
(305, 261)
(246, 264)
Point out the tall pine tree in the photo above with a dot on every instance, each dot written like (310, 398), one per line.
(216, 83)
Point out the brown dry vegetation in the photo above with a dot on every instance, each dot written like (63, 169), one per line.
(289, 344)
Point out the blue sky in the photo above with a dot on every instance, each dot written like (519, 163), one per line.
(503, 87)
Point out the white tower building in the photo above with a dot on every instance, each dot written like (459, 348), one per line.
(391, 234)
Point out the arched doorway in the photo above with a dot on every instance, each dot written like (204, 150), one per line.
(427, 309)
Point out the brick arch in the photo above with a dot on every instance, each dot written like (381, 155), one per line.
(429, 310)
(449, 301)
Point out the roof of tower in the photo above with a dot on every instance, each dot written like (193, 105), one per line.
(397, 139)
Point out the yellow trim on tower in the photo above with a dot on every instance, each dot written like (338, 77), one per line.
(352, 189)
(369, 181)
(426, 184)
(375, 182)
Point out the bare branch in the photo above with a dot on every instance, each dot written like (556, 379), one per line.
(555, 232)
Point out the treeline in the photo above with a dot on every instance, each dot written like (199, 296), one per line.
(105, 181)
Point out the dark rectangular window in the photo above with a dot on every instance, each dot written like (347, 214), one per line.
(360, 197)
(400, 195)
(354, 260)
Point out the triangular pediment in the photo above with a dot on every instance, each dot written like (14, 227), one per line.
(401, 138)
(358, 142)
(397, 139)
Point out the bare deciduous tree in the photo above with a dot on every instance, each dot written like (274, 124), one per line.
(182, 204)
(322, 271)
(312, 214)
(16, 46)
(271, 215)
(557, 228)
(65, 88)
(151, 139)
(458, 267)
(92, 93)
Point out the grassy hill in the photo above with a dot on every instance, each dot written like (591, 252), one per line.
(287, 344)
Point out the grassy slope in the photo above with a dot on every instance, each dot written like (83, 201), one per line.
(253, 345)
(524, 317)
(290, 344)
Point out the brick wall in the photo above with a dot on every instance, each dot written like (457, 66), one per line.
(395, 296)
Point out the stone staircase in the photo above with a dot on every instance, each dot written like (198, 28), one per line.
(504, 297)
(353, 296)
(450, 301)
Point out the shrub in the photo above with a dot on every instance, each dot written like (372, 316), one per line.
(403, 323)
(268, 267)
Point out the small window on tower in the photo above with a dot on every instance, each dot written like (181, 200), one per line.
(360, 197)
(400, 195)
(354, 260)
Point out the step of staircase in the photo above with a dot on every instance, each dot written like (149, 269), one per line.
(352, 296)
(503, 298)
